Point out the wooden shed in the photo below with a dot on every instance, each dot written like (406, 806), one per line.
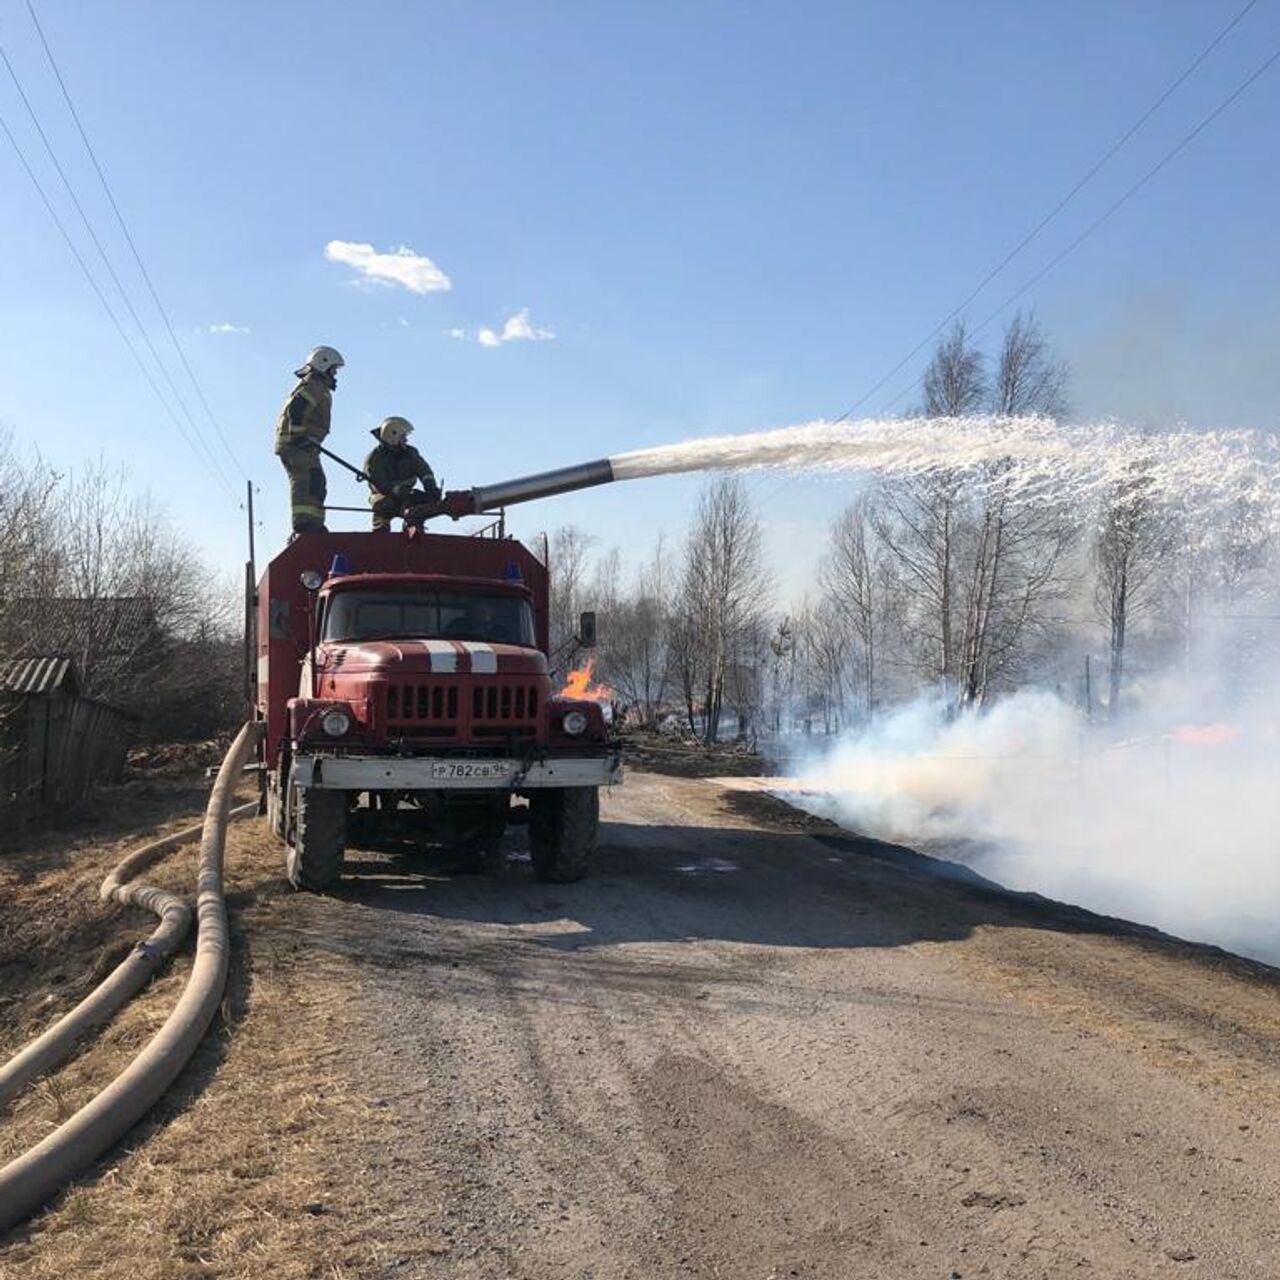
(55, 744)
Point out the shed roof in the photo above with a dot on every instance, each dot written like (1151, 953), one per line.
(39, 675)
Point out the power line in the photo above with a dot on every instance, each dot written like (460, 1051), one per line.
(102, 297)
(1088, 176)
(102, 253)
(133, 248)
(1116, 205)
(1091, 228)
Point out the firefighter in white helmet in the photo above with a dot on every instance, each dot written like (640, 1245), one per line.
(302, 425)
(399, 475)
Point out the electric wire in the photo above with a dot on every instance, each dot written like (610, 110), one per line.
(1114, 207)
(1088, 176)
(106, 305)
(129, 240)
(1074, 244)
(102, 253)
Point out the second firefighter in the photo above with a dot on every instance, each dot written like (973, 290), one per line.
(399, 476)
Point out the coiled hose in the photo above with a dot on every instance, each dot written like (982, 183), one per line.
(31, 1179)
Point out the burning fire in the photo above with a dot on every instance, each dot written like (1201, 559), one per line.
(578, 685)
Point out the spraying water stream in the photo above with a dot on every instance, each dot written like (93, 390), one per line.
(1166, 824)
(1030, 458)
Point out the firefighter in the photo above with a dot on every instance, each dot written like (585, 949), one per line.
(398, 474)
(303, 424)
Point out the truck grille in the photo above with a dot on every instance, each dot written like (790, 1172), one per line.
(421, 703)
(432, 709)
(504, 702)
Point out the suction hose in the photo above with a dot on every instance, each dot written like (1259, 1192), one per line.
(31, 1179)
(129, 976)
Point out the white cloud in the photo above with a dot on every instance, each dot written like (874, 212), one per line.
(228, 328)
(459, 334)
(400, 266)
(516, 328)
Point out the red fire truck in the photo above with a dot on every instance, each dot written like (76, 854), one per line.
(406, 686)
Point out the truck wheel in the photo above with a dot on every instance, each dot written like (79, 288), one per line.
(563, 825)
(319, 838)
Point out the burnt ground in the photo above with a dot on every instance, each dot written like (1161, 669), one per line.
(751, 1046)
(678, 756)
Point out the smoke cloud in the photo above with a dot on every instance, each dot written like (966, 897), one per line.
(1167, 825)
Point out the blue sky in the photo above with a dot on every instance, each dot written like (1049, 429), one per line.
(730, 217)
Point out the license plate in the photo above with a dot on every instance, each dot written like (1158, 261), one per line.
(488, 770)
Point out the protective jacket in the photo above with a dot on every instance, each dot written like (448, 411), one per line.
(394, 472)
(306, 413)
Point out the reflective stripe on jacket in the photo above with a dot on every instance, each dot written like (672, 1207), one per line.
(306, 412)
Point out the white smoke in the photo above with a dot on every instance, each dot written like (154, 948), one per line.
(1170, 826)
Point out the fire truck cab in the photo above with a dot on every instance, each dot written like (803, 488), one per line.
(407, 692)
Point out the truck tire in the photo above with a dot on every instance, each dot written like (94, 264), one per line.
(314, 862)
(563, 826)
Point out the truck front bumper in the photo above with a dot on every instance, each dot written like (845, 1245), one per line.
(424, 773)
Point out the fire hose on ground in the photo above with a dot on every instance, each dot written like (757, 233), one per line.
(33, 1178)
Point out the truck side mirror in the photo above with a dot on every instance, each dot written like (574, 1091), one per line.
(587, 629)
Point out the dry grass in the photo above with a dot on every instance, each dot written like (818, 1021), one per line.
(245, 1168)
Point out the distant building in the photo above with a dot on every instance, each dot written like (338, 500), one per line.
(55, 744)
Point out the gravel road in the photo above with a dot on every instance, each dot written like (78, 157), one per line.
(744, 1049)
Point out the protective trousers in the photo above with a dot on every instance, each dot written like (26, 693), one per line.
(307, 488)
(384, 510)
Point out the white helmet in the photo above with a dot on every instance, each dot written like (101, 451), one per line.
(324, 360)
(394, 431)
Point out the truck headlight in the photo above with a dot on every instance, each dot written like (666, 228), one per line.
(575, 722)
(335, 723)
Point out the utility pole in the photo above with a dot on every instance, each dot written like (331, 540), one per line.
(250, 613)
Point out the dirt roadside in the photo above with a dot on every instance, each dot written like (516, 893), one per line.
(749, 1047)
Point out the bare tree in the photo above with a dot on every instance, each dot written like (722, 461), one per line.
(1130, 549)
(856, 576)
(635, 650)
(955, 383)
(918, 521)
(724, 587)
(824, 658)
(27, 494)
(109, 584)
(782, 673)
(1028, 378)
(569, 551)
(687, 657)
(976, 569)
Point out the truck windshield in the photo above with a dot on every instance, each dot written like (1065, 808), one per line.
(428, 615)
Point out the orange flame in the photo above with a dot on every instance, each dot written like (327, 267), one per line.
(578, 685)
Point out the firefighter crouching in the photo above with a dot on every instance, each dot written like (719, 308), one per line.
(398, 474)
(303, 424)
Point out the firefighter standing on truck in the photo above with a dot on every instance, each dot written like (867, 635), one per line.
(303, 424)
(398, 474)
